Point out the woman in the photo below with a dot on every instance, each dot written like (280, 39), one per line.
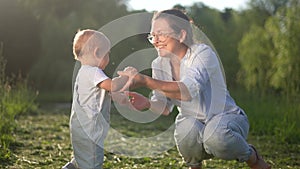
(188, 75)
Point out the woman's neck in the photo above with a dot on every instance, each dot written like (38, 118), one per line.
(181, 52)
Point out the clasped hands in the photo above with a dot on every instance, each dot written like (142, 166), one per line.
(124, 97)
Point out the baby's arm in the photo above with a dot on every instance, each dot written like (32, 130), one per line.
(171, 89)
(114, 84)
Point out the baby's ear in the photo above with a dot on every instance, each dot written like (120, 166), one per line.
(97, 52)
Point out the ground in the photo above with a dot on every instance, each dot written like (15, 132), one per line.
(42, 141)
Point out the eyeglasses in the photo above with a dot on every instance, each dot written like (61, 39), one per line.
(160, 36)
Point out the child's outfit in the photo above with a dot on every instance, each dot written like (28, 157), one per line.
(89, 121)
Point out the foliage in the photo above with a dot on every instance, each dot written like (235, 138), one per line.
(269, 27)
(15, 98)
(255, 59)
(269, 54)
(271, 115)
(20, 33)
(286, 37)
(59, 23)
(267, 7)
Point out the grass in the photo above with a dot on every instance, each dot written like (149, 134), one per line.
(43, 142)
(16, 97)
(272, 115)
(54, 96)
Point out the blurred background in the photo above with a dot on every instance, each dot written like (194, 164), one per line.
(258, 44)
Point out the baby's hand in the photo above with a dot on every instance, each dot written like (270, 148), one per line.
(130, 72)
(120, 98)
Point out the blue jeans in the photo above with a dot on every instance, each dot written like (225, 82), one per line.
(224, 136)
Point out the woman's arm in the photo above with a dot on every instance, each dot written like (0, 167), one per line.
(172, 89)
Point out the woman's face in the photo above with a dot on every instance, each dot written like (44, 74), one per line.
(163, 38)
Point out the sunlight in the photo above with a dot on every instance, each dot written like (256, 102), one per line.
(155, 5)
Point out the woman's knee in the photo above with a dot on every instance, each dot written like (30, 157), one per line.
(216, 139)
(188, 129)
(224, 143)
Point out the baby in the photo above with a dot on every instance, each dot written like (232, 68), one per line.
(89, 121)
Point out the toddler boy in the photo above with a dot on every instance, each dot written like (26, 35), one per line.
(89, 121)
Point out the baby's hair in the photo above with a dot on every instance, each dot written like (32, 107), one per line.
(85, 42)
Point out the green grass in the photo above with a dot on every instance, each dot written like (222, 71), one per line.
(16, 98)
(42, 139)
(52, 96)
(271, 115)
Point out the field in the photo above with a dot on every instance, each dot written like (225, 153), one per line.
(42, 141)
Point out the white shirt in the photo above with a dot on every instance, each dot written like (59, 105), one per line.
(201, 72)
(91, 104)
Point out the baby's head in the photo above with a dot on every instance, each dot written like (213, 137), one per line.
(91, 47)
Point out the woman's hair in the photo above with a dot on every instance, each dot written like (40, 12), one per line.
(85, 41)
(178, 21)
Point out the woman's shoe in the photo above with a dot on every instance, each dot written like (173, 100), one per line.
(260, 162)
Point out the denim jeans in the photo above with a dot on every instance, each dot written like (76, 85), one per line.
(223, 136)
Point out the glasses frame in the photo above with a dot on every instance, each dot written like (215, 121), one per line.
(161, 36)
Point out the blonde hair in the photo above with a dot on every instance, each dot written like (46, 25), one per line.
(85, 41)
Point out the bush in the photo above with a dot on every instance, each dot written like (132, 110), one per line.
(15, 98)
(271, 115)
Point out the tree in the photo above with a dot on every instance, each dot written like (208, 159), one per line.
(284, 28)
(255, 58)
(60, 20)
(20, 36)
(269, 7)
(269, 55)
